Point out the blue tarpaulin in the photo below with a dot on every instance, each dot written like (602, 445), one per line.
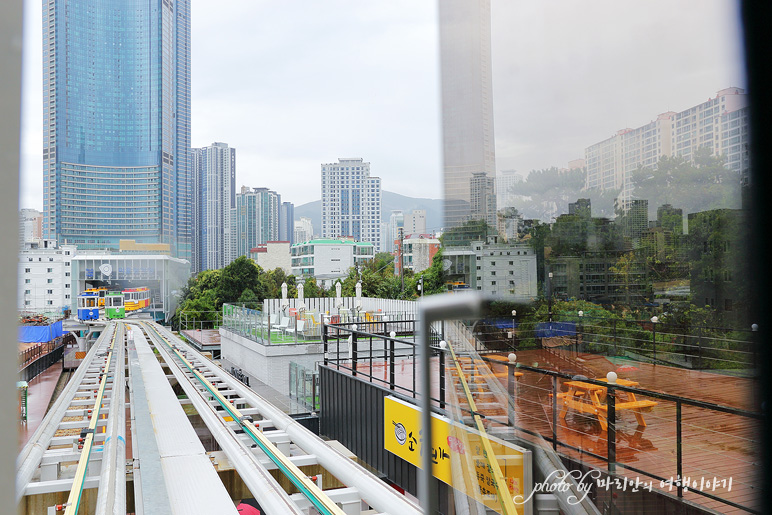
(553, 329)
(40, 333)
(501, 323)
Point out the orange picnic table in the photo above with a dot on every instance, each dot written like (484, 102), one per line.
(590, 399)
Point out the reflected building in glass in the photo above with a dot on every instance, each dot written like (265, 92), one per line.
(116, 108)
(467, 102)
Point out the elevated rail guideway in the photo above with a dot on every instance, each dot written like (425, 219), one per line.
(125, 389)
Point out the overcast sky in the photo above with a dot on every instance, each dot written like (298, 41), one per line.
(292, 85)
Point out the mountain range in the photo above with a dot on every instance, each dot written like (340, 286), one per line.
(390, 201)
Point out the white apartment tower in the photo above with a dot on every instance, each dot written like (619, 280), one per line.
(482, 191)
(214, 186)
(415, 222)
(30, 226)
(720, 124)
(304, 230)
(351, 202)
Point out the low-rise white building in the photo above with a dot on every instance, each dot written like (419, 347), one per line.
(501, 269)
(328, 259)
(273, 255)
(45, 276)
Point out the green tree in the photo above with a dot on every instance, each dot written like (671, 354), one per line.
(240, 275)
(472, 230)
(384, 261)
(311, 289)
(704, 184)
(434, 276)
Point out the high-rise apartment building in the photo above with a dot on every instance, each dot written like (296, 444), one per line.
(390, 232)
(720, 124)
(506, 188)
(287, 222)
(415, 222)
(257, 219)
(351, 202)
(467, 101)
(30, 226)
(482, 196)
(214, 186)
(116, 109)
(635, 220)
(304, 230)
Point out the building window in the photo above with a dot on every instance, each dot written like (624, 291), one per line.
(26, 281)
(27, 270)
(49, 270)
(67, 274)
(27, 292)
(50, 281)
(67, 296)
(50, 303)
(26, 303)
(50, 292)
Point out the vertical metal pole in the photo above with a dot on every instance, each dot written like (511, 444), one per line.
(554, 412)
(441, 357)
(427, 484)
(679, 449)
(654, 339)
(611, 432)
(511, 392)
(391, 363)
(699, 348)
(415, 365)
(354, 356)
(324, 340)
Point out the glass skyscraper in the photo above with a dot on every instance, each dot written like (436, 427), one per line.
(116, 107)
(467, 102)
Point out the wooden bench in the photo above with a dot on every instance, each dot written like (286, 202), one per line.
(590, 399)
(637, 407)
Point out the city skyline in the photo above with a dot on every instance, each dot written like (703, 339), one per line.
(396, 96)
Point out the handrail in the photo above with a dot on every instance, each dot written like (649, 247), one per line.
(502, 491)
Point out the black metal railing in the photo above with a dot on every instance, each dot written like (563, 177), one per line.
(374, 358)
(40, 364)
(698, 347)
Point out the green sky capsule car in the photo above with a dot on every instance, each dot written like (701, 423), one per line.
(114, 305)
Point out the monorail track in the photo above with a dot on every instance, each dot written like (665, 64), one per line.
(172, 473)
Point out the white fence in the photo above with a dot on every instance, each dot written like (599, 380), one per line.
(345, 306)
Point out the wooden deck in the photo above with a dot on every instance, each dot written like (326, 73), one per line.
(714, 444)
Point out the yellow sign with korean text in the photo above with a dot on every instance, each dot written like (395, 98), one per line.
(458, 456)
